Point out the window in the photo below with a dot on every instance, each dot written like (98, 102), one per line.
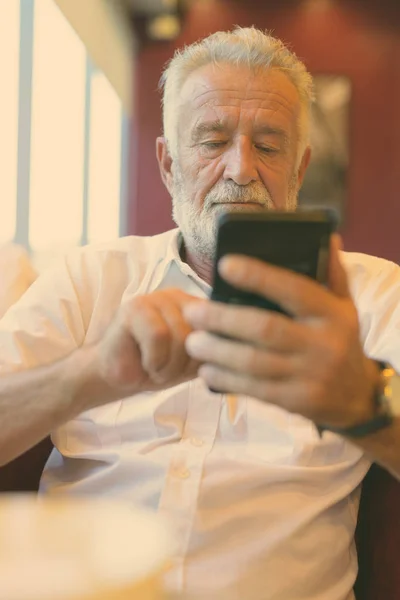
(65, 168)
(57, 132)
(9, 69)
(105, 147)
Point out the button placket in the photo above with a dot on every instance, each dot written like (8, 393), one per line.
(196, 442)
(183, 480)
(184, 473)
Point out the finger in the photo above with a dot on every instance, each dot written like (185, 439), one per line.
(299, 295)
(230, 382)
(240, 357)
(268, 329)
(151, 333)
(338, 280)
(179, 359)
(174, 296)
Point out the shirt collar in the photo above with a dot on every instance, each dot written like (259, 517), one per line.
(173, 256)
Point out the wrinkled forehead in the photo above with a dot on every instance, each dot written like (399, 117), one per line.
(227, 88)
(216, 83)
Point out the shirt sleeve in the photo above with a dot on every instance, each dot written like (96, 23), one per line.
(16, 275)
(376, 291)
(48, 322)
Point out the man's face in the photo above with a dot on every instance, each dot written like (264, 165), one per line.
(237, 149)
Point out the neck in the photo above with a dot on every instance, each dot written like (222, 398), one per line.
(201, 266)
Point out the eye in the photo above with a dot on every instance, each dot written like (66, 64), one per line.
(214, 145)
(267, 149)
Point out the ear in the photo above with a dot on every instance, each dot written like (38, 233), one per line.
(164, 162)
(305, 161)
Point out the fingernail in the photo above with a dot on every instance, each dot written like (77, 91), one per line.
(194, 341)
(232, 266)
(225, 265)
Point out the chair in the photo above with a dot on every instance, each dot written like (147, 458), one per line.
(378, 537)
(23, 474)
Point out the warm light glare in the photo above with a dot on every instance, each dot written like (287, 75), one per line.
(164, 27)
(104, 161)
(9, 69)
(317, 5)
(58, 111)
(170, 4)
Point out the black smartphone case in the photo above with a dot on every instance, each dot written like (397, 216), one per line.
(298, 241)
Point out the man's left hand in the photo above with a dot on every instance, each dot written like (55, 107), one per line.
(311, 363)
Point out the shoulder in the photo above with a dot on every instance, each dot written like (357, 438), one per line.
(130, 249)
(369, 273)
(375, 287)
(126, 258)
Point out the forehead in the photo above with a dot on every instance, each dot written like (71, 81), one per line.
(218, 90)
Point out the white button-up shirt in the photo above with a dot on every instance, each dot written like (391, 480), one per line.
(262, 508)
(16, 275)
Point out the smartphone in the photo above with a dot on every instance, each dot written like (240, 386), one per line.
(298, 241)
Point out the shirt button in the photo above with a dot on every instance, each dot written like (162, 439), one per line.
(196, 442)
(184, 474)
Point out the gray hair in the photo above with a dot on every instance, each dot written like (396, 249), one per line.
(242, 46)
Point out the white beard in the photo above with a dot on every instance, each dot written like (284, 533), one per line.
(199, 226)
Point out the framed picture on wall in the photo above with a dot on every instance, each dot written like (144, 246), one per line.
(325, 183)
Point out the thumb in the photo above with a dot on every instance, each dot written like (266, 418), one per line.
(337, 276)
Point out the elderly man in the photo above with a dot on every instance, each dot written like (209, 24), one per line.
(114, 352)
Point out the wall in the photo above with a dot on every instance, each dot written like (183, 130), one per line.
(358, 39)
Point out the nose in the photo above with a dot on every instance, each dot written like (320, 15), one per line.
(240, 164)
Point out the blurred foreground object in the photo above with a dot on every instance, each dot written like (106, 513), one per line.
(79, 549)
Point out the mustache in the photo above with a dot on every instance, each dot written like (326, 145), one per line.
(229, 192)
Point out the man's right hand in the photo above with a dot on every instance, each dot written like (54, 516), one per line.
(144, 347)
(142, 350)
